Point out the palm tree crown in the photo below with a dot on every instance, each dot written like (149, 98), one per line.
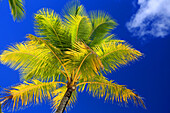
(69, 54)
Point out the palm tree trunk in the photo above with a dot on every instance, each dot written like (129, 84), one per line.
(0, 108)
(64, 101)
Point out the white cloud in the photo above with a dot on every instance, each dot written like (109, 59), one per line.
(152, 18)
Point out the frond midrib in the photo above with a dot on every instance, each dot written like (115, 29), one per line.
(17, 52)
(15, 7)
(57, 59)
(98, 83)
(78, 26)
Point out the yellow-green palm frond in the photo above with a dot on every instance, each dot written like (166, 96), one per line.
(29, 92)
(33, 60)
(79, 27)
(76, 21)
(48, 25)
(17, 9)
(102, 87)
(102, 24)
(115, 53)
(74, 8)
(57, 52)
(83, 60)
(105, 39)
(59, 94)
(79, 50)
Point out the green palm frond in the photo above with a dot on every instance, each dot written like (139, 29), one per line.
(59, 94)
(83, 60)
(54, 50)
(113, 54)
(48, 25)
(102, 24)
(79, 27)
(74, 8)
(100, 86)
(29, 92)
(33, 60)
(17, 9)
(105, 39)
(77, 22)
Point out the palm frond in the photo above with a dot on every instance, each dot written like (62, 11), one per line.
(83, 60)
(17, 9)
(55, 51)
(100, 86)
(74, 8)
(105, 39)
(48, 25)
(102, 24)
(113, 54)
(59, 94)
(79, 27)
(33, 60)
(76, 21)
(28, 92)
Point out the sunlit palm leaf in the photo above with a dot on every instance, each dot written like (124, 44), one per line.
(29, 92)
(17, 9)
(33, 60)
(102, 25)
(59, 94)
(113, 54)
(102, 87)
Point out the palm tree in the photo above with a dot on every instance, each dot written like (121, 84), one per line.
(69, 54)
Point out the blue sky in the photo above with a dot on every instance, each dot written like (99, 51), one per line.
(145, 24)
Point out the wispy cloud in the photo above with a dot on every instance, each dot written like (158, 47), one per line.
(152, 18)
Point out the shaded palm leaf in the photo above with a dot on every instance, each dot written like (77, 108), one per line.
(48, 25)
(76, 21)
(74, 8)
(79, 27)
(102, 24)
(17, 9)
